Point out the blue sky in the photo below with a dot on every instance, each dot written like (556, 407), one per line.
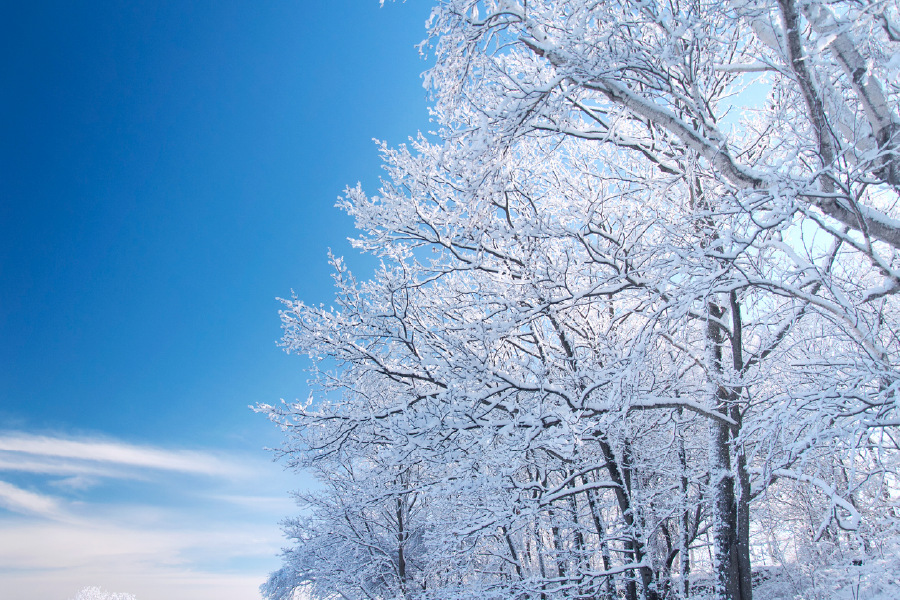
(168, 170)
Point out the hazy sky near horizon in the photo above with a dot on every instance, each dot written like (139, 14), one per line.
(169, 169)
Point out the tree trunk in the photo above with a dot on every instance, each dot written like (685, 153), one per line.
(742, 498)
(730, 538)
(684, 539)
(401, 542)
(633, 547)
(600, 527)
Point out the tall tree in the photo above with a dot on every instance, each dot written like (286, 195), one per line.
(607, 323)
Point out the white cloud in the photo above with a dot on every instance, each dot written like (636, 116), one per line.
(76, 482)
(50, 465)
(24, 448)
(44, 560)
(29, 503)
(155, 522)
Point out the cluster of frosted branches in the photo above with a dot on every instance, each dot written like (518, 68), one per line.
(615, 348)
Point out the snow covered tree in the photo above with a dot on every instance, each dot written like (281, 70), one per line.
(362, 536)
(96, 593)
(615, 324)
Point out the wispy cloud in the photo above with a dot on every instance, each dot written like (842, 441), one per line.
(30, 503)
(43, 560)
(76, 482)
(153, 521)
(19, 451)
(50, 465)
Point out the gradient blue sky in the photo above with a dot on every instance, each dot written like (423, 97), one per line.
(168, 170)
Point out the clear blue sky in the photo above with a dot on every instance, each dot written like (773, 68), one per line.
(168, 170)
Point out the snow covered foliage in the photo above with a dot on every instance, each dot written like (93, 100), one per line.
(95, 593)
(623, 343)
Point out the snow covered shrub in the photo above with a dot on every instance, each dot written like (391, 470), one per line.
(95, 593)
